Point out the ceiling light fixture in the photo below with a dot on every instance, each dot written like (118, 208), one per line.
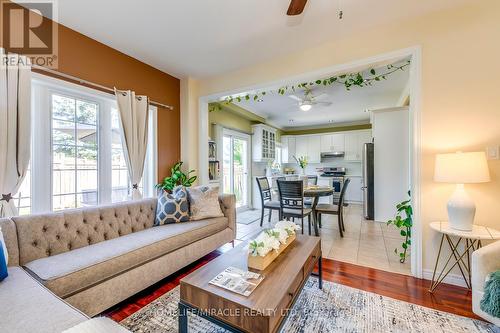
(260, 100)
(305, 106)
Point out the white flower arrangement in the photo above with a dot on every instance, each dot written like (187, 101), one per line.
(289, 226)
(272, 238)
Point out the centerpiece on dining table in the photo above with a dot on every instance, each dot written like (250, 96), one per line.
(264, 249)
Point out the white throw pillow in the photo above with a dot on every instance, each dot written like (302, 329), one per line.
(4, 248)
(204, 202)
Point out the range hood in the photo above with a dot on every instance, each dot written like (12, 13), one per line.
(332, 154)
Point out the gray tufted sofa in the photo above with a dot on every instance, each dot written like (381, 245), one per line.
(93, 258)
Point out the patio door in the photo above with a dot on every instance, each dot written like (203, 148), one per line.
(236, 167)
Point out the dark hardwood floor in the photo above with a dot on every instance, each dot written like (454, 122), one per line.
(447, 298)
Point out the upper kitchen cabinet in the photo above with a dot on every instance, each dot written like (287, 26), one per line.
(332, 143)
(354, 143)
(309, 146)
(264, 143)
(287, 149)
(314, 148)
(301, 146)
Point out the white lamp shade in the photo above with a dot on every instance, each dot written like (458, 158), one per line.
(461, 168)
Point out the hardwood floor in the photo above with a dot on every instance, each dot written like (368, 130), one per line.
(447, 298)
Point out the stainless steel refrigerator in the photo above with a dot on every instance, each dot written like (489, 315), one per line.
(367, 186)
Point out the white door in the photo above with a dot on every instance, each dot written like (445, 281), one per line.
(236, 167)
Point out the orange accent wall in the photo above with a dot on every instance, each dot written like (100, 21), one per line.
(91, 60)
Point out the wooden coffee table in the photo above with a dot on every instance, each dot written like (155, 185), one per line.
(266, 309)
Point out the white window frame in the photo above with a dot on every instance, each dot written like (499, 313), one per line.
(41, 168)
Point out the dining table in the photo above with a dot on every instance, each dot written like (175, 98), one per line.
(315, 192)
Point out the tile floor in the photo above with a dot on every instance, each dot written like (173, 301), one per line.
(365, 243)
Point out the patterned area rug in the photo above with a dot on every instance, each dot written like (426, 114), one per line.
(336, 308)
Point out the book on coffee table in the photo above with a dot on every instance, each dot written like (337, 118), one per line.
(237, 280)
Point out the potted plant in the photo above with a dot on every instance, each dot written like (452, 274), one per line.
(176, 178)
(403, 221)
(302, 162)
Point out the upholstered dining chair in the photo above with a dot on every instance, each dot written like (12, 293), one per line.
(311, 180)
(266, 199)
(292, 201)
(335, 209)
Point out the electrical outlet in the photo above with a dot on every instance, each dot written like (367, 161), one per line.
(493, 152)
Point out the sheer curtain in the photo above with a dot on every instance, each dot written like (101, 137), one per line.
(15, 127)
(134, 128)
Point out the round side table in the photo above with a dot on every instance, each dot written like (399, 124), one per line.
(471, 241)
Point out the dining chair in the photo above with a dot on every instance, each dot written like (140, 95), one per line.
(292, 201)
(311, 180)
(266, 199)
(335, 209)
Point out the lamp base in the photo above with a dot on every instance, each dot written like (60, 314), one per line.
(461, 210)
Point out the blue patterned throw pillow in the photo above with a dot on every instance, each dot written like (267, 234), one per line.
(172, 208)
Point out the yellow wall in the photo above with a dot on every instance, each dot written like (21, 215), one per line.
(460, 93)
(229, 120)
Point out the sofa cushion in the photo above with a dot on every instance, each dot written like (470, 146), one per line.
(204, 202)
(46, 235)
(70, 272)
(172, 208)
(27, 306)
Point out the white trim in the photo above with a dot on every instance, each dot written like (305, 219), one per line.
(454, 279)
(41, 167)
(415, 83)
(248, 138)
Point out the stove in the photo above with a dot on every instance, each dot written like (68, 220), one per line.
(335, 172)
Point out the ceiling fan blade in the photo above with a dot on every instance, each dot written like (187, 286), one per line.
(295, 98)
(320, 97)
(323, 103)
(296, 7)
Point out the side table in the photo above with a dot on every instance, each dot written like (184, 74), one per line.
(471, 241)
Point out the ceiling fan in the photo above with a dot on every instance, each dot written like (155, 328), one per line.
(296, 7)
(306, 103)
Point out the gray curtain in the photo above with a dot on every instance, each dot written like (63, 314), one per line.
(15, 127)
(134, 115)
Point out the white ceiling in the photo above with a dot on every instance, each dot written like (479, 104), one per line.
(201, 38)
(348, 107)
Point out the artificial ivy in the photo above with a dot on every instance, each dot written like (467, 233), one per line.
(349, 80)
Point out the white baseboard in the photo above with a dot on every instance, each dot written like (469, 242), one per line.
(454, 279)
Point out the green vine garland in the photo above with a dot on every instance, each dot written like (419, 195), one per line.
(347, 80)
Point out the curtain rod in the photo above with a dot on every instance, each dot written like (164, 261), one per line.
(92, 84)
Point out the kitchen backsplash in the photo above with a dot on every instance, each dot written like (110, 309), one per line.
(353, 168)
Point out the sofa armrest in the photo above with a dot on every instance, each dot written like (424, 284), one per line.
(484, 261)
(9, 232)
(228, 206)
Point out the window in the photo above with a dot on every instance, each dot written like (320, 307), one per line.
(77, 152)
(74, 152)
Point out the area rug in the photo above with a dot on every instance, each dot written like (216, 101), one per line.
(250, 216)
(336, 308)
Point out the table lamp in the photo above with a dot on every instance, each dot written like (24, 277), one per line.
(461, 168)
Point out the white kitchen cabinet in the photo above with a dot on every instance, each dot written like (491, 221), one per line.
(332, 142)
(314, 149)
(301, 146)
(287, 149)
(353, 192)
(263, 143)
(354, 143)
